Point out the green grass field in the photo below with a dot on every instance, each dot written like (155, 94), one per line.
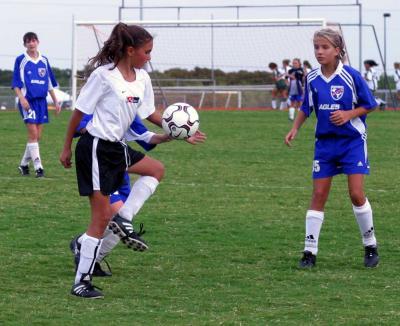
(225, 230)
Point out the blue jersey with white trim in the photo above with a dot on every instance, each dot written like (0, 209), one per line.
(344, 90)
(136, 126)
(33, 76)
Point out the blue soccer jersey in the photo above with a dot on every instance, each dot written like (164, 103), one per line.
(33, 76)
(344, 90)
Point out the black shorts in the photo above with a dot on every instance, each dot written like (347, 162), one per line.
(101, 164)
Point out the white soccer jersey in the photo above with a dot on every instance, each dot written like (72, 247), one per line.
(114, 102)
(397, 79)
(371, 78)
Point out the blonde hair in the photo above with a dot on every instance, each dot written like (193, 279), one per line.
(334, 38)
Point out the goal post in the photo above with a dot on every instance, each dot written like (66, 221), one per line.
(216, 45)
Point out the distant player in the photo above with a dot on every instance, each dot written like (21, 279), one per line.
(341, 100)
(32, 80)
(397, 79)
(307, 67)
(371, 77)
(285, 68)
(280, 91)
(296, 76)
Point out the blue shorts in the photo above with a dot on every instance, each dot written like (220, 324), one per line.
(123, 192)
(37, 113)
(297, 98)
(340, 155)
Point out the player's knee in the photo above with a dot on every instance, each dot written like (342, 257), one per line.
(159, 171)
(319, 197)
(357, 197)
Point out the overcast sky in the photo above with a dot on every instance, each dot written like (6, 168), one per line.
(52, 21)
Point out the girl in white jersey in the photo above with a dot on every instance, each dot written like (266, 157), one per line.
(397, 79)
(341, 100)
(116, 91)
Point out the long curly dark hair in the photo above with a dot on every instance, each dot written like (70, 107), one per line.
(114, 48)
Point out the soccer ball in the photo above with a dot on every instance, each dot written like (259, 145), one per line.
(180, 120)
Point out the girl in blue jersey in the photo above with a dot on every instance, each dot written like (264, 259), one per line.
(296, 76)
(32, 80)
(341, 100)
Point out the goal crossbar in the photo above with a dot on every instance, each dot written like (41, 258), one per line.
(179, 23)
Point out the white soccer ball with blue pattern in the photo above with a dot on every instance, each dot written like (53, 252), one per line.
(180, 120)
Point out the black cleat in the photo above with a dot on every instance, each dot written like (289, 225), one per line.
(124, 229)
(85, 289)
(99, 272)
(308, 260)
(75, 248)
(24, 170)
(39, 173)
(371, 258)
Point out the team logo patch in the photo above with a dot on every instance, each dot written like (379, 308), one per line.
(132, 99)
(42, 72)
(337, 92)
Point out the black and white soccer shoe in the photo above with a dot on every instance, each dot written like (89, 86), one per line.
(308, 260)
(24, 170)
(39, 173)
(124, 229)
(371, 257)
(99, 271)
(85, 289)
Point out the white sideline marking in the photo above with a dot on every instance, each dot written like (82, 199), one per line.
(230, 185)
(31, 176)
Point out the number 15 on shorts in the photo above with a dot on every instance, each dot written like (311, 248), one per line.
(316, 167)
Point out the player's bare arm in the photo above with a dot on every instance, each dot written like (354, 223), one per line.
(66, 154)
(24, 102)
(55, 101)
(298, 122)
(340, 117)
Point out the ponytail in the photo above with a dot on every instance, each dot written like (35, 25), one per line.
(113, 50)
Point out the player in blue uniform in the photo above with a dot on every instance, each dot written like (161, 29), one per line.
(341, 100)
(296, 75)
(147, 140)
(32, 80)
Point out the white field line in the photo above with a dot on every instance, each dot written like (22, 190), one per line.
(263, 186)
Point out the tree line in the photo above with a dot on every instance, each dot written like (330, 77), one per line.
(171, 77)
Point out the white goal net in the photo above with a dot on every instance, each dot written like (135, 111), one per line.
(209, 47)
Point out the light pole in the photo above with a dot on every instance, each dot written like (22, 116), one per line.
(385, 15)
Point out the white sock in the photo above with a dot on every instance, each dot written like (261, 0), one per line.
(26, 157)
(109, 241)
(365, 222)
(292, 113)
(283, 105)
(314, 221)
(142, 189)
(273, 103)
(35, 155)
(89, 251)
